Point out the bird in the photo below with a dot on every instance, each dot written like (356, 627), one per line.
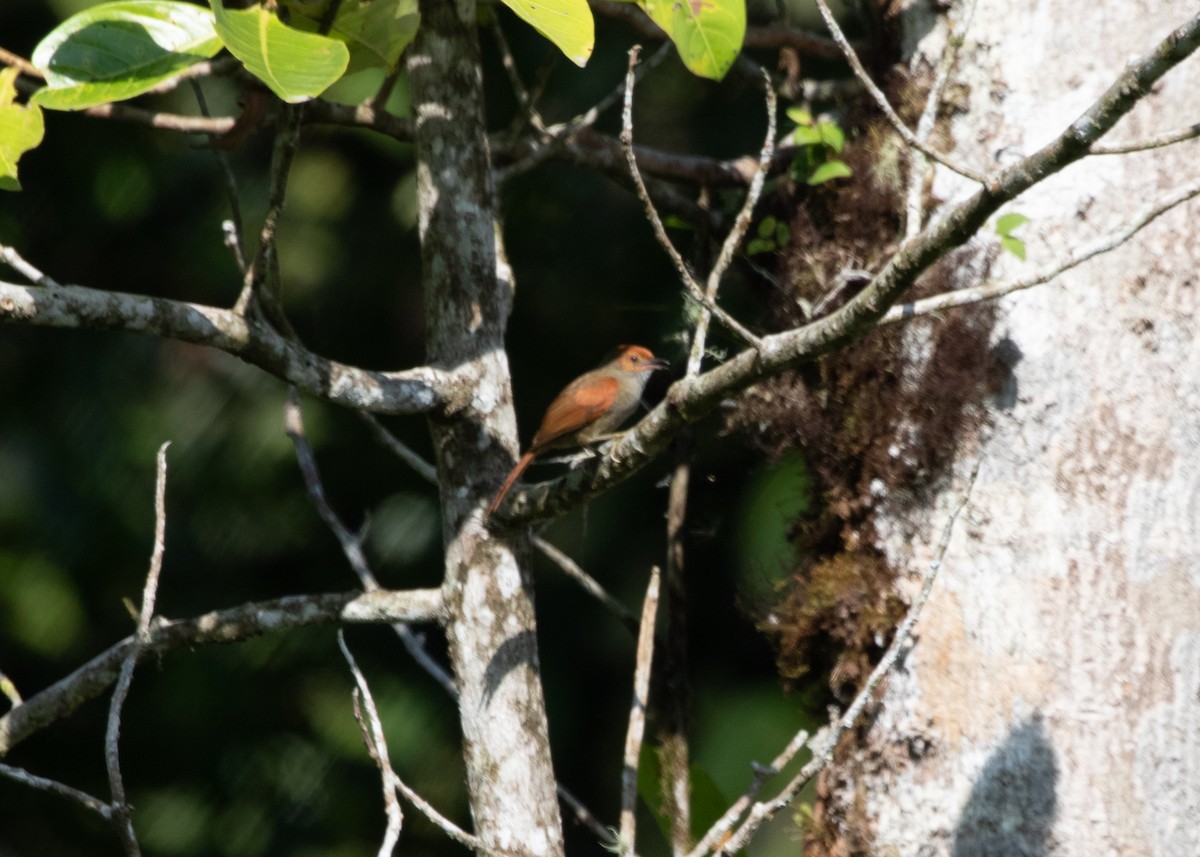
(590, 408)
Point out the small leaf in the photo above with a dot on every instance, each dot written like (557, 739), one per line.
(1013, 245)
(117, 51)
(295, 66)
(828, 171)
(766, 227)
(1008, 222)
(831, 135)
(707, 33)
(806, 135)
(21, 129)
(567, 23)
(799, 115)
(674, 221)
(759, 245)
(782, 235)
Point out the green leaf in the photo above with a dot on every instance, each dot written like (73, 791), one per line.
(566, 23)
(1008, 222)
(21, 129)
(766, 227)
(806, 135)
(674, 221)
(782, 235)
(119, 50)
(755, 246)
(375, 31)
(295, 66)
(799, 115)
(828, 171)
(1013, 245)
(707, 33)
(831, 135)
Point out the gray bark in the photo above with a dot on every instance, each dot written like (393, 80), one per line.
(490, 626)
(1052, 702)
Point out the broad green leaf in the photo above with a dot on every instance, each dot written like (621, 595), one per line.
(21, 129)
(375, 31)
(119, 50)
(295, 66)
(755, 246)
(828, 171)
(1013, 245)
(567, 23)
(707, 33)
(1008, 222)
(766, 227)
(782, 235)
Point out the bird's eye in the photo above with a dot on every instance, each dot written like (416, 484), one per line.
(634, 358)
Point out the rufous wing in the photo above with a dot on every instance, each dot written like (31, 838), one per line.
(583, 402)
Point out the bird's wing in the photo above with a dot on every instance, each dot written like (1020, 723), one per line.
(582, 403)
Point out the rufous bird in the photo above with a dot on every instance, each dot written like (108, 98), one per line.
(589, 409)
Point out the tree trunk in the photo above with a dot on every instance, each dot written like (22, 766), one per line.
(491, 632)
(1051, 704)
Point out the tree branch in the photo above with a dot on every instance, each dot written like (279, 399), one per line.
(691, 398)
(220, 626)
(414, 391)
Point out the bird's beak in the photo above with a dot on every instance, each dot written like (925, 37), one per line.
(658, 363)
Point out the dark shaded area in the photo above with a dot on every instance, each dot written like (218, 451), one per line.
(1012, 806)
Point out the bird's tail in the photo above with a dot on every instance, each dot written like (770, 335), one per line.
(509, 481)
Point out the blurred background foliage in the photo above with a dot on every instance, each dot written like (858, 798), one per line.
(251, 749)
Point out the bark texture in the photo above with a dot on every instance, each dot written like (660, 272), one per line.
(1051, 705)
(490, 624)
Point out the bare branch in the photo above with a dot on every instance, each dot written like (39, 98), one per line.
(823, 744)
(691, 398)
(881, 100)
(918, 163)
(402, 451)
(660, 232)
(734, 238)
(376, 742)
(1157, 142)
(762, 775)
(637, 715)
(61, 789)
(219, 626)
(1105, 244)
(9, 689)
(572, 570)
(120, 806)
(420, 390)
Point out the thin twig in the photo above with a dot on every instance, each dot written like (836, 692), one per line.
(1157, 142)
(120, 806)
(637, 716)
(400, 449)
(881, 100)
(660, 232)
(556, 136)
(376, 742)
(260, 284)
(572, 570)
(734, 239)
(82, 798)
(1105, 244)
(762, 775)
(918, 163)
(21, 64)
(234, 230)
(827, 739)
